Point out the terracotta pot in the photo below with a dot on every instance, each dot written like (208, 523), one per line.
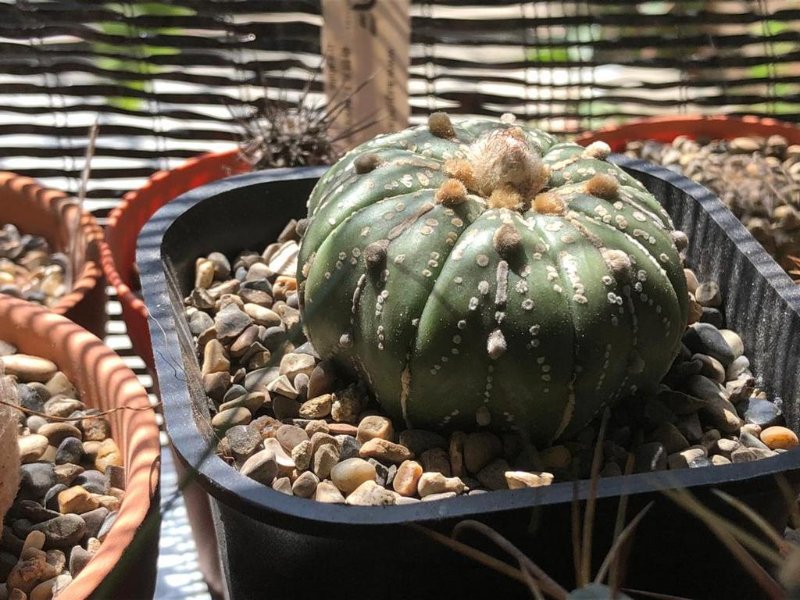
(136, 208)
(124, 567)
(55, 216)
(666, 129)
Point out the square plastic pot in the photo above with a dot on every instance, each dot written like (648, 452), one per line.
(296, 548)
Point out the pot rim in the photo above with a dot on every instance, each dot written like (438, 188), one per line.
(91, 273)
(229, 486)
(694, 125)
(140, 431)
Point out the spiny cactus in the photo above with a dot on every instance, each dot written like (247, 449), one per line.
(482, 274)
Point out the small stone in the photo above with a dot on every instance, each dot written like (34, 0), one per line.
(62, 532)
(204, 273)
(611, 469)
(57, 432)
(385, 451)
(740, 366)
(407, 478)
(215, 385)
(493, 475)
(283, 387)
(95, 428)
(105, 528)
(670, 437)
(262, 315)
(349, 446)
(94, 481)
(305, 485)
(351, 473)
(35, 539)
(108, 454)
(456, 454)
(317, 408)
(231, 417)
(752, 429)
(711, 368)
(718, 410)
(31, 569)
(683, 459)
(436, 460)
(285, 408)
(690, 427)
(322, 379)
(328, 493)
(734, 342)
(94, 520)
(523, 479)
(215, 358)
(199, 322)
(230, 322)
(60, 385)
(70, 450)
(244, 441)
(76, 500)
(293, 364)
(325, 458)
(342, 429)
(35, 480)
(261, 467)
(346, 405)
(60, 406)
(436, 483)
(290, 436)
(374, 426)
(316, 426)
(302, 455)
(283, 485)
(650, 457)
(712, 316)
(480, 449)
(708, 294)
(78, 559)
(320, 439)
(384, 474)
(284, 460)
(718, 459)
(749, 440)
(678, 402)
(556, 457)
(420, 440)
(750, 454)
(370, 493)
(707, 339)
(777, 437)
(28, 368)
(32, 447)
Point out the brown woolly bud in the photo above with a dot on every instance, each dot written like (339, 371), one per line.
(375, 254)
(366, 163)
(496, 344)
(505, 197)
(618, 262)
(460, 169)
(502, 160)
(440, 125)
(516, 133)
(549, 203)
(507, 241)
(679, 239)
(602, 186)
(451, 193)
(598, 150)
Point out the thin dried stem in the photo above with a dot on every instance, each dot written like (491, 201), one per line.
(591, 504)
(575, 529)
(622, 509)
(654, 595)
(619, 540)
(99, 415)
(548, 585)
(759, 521)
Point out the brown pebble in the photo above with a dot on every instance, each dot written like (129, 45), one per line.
(328, 493)
(28, 368)
(370, 493)
(374, 426)
(524, 479)
(407, 478)
(76, 500)
(305, 486)
(436, 483)
(58, 432)
(351, 473)
(107, 455)
(777, 437)
(385, 451)
(436, 460)
(480, 449)
(316, 408)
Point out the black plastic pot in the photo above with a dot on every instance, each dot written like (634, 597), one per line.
(279, 546)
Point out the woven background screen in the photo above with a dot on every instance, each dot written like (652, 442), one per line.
(168, 80)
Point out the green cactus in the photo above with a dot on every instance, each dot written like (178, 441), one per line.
(481, 274)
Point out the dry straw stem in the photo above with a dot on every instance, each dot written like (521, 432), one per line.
(734, 539)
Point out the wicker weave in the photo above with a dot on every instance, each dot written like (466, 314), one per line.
(168, 79)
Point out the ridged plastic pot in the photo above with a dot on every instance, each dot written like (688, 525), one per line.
(125, 564)
(289, 547)
(55, 216)
(666, 129)
(127, 219)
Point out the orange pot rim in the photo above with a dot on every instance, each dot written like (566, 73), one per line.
(124, 293)
(91, 274)
(103, 373)
(686, 124)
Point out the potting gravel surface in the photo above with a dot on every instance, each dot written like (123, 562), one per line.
(289, 420)
(29, 269)
(757, 178)
(72, 480)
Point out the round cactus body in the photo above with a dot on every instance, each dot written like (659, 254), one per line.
(479, 273)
